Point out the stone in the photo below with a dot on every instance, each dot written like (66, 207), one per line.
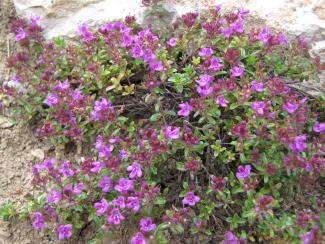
(5, 122)
(38, 153)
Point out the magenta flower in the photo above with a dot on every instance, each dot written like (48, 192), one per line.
(319, 127)
(238, 26)
(123, 154)
(204, 90)
(259, 107)
(243, 172)
(20, 35)
(259, 87)
(105, 183)
(78, 188)
(35, 20)
(283, 40)
(135, 169)
(39, 222)
(263, 203)
(264, 35)
(147, 225)
(206, 52)
(230, 238)
(52, 100)
(172, 42)
(101, 207)
(190, 199)
(185, 109)
(124, 185)
(87, 35)
(237, 71)
(97, 167)
(119, 202)
(62, 86)
(66, 170)
(115, 217)
(103, 110)
(133, 203)
(307, 238)
(205, 80)
(65, 231)
(215, 64)
(171, 132)
(222, 101)
(290, 107)
(138, 238)
(227, 32)
(55, 197)
(156, 66)
(298, 145)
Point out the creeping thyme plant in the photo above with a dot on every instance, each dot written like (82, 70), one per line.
(196, 133)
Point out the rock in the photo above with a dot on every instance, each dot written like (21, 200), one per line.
(38, 153)
(5, 122)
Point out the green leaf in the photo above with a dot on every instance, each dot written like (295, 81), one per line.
(155, 117)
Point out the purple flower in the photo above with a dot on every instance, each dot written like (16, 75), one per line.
(66, 170)
(171, 132)
(138, 238)
(227, 32)
(237, 71)
(319, 127)
(20, 35)
(290, 107)
(185, 109)
(264, 35)
(52, 100)
(115, 217)
(78, 188)
(156, 66)
(103, 110)
(172, 42)
(204, 90)
(123, 154)
(147, 225)
(65, 231)
(230, 238)
(222, 101)
(105, 183)
(190, 199)
(238, 26)
(259, 87)
(215, 64)
(35, 20)
(87, 35)
(124, 185)
(135, 169)
(133, 203)
(55, 197)
(101, 207)
(283, 39)
(243, 172)
(206, 52)
(119, 202)
(62, 86)
(298, 145)
(307, 238)
(97, 167)
(205, 80)
(39, 222)
(259, 107)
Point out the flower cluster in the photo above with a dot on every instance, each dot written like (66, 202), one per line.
(194, 130)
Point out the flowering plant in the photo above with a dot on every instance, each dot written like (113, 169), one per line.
(195, 130)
